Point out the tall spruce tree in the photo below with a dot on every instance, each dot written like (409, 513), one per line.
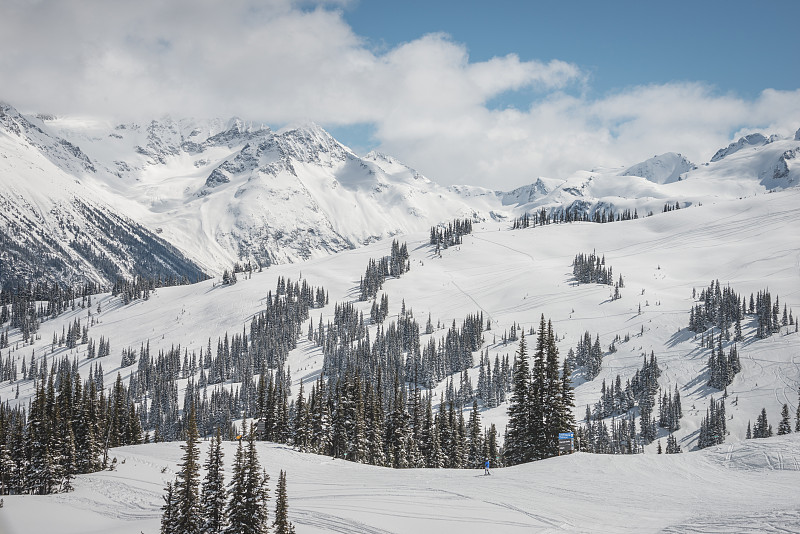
(213, 495)
(188, 518)
(247, 509)
(518, 445)
(282, 525)
(552, 404)
(538, 392)
(168, 515)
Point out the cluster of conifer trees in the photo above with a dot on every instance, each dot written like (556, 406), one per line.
(722, 367)
(575, 212)
(443, 237)
(541, 403)
(763, 429)
(723, 308)
(352, 418)
(27, 305)
(377, 271)
(69, 425)
(591, 269)
(210, 507)
(617, 400)
(396, 348)
(141, 287)
(713, 428)
(587, 355)
(596, 436)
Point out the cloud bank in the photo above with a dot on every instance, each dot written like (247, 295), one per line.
(430, 105)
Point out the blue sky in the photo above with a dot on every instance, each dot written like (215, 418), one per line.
(493, 94)
(735, 47)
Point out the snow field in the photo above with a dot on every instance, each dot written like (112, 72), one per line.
(732, 487)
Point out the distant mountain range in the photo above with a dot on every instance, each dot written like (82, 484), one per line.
(91, 201)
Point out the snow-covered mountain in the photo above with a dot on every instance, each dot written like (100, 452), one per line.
(225, 191)
(663, 169)
(54, 228)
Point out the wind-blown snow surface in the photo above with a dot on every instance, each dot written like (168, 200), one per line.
(743, 487)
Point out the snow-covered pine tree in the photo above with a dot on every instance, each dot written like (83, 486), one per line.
(247, 508)
(168, 524)
(475, 432)
(212, 500)
(187, 514)
(282, 525)
(518, 446)
(785, 426)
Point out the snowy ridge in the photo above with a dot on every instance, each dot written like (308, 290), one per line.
(663, 169)
(752, 140)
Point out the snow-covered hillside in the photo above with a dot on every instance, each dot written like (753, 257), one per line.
(513, 277)
(730, 228)
(743, 487)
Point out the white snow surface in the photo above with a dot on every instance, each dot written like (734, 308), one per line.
(741, 487)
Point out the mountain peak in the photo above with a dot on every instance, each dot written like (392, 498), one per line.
(663, 169)
(752, 140)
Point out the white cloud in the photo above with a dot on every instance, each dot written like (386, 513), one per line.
(279, 61)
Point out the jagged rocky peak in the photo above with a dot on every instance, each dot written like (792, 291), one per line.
(531, 192)
(310, 143)
(752, 140)
(663, 169)
(797, 135)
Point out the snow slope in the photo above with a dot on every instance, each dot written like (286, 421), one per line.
(514, 277)
(744, 487)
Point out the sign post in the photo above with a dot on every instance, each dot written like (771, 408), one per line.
(565, 443)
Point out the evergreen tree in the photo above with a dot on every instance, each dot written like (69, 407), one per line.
(282, 525)
(247, 509)
(518, 445)
(785, 426)
(475, 454)
(187, 514)
(213, 494)
(168, 516)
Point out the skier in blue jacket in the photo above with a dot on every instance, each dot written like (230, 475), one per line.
(486, 467)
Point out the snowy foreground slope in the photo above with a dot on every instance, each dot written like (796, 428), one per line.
(743, 487)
